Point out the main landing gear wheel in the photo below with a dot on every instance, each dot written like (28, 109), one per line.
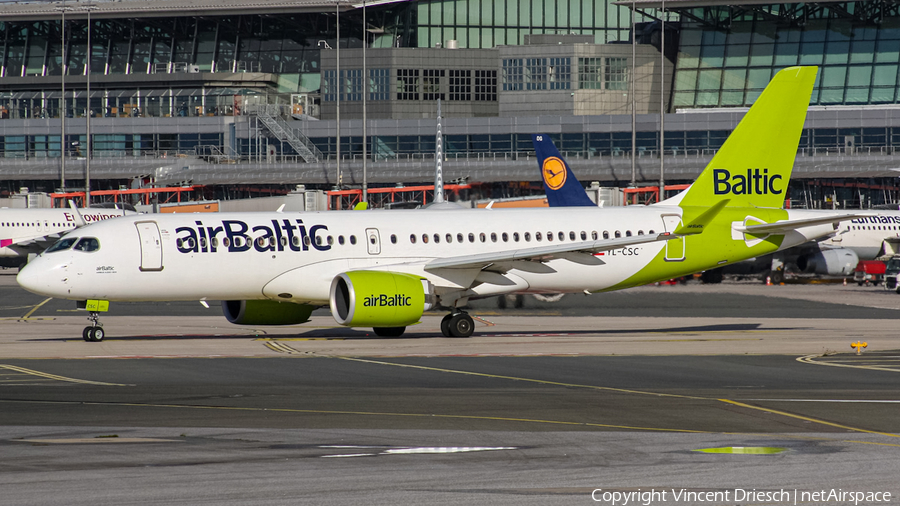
(389, 331)
(457, 325)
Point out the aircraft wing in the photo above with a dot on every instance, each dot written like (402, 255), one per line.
(579, 252)
(780, 227)
(32, 244)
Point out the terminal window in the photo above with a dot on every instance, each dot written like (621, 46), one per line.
(460, 85)
(431, 84)
(560, 73)
(615, 76)
(379, 84)
(486, 85)
(536, 74)
(513, 74)
(407, 84)
(589, 72)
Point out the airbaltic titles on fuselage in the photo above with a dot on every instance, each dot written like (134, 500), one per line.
(236, 236)
(754, 183)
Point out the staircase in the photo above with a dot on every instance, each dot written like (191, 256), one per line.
(271, 117)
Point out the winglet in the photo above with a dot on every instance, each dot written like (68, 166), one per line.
(562, 187)
(362, 206)
(698, 225)
(79, 220)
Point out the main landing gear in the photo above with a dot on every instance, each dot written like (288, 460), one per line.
(95, 332)
(457, 324)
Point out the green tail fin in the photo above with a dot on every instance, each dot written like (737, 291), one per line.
(753, 167)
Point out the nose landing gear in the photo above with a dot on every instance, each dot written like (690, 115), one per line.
(95, 332)
(457, 324)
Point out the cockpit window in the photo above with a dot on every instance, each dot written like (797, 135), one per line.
(88, 244)
(62, 244)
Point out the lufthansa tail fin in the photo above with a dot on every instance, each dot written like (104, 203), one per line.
(563, 189)
(753, 167)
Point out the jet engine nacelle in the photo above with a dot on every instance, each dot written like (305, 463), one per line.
(379, 299)
(836, 262)
(265, 312)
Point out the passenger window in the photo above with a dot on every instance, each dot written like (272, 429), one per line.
(62, 244)
(318, 240)
(493, 236)
(650, 232)
(393, 239)
(459, 238)
(215, 242)
(437, 238)
(538, 237)
(628, 233)
(449, 238)
(295, 240)
(283, 242)
(527, 236)
(505, 237)
(516, 236)
(640, 232)
(618, 234)
(571, 236)
(471, 237)
(562, 236)
(352, 239)
(481, 237)
(412, 238)
(549, 236)
(425, 238)
(605, 234)
(341, 240)
(226, 242)
(583, 235)
(306, 240)
(330, 241)
(594, 235)
(87, 244)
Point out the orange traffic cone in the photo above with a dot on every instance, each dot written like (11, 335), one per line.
(768, 280)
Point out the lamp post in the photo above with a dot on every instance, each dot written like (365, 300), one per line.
(365, 91)
(339, 88)
(662, 100)
(87, 70)
(62, 101)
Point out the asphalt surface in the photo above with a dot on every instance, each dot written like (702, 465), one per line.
(174, 409)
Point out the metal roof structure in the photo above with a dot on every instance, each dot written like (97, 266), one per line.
(77, 9)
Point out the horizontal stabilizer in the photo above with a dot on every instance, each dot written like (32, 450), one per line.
(780, 227)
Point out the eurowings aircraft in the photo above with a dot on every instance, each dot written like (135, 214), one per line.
(25, 232)
(383, 269)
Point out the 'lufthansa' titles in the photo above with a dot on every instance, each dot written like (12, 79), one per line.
(755, 182)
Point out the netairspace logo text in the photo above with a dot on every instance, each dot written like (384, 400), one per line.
(680, 495)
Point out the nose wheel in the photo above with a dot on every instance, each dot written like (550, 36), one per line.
(95, 332)
(458, 324)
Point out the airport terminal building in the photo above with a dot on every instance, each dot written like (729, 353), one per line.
(230, 92)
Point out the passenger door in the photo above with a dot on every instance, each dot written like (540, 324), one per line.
(151, 246)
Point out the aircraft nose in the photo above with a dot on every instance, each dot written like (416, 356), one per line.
(29, 278)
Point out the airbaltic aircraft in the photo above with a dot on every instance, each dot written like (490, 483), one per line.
(25, 232)
(383, 269)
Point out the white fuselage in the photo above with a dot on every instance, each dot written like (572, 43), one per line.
(294, 256)
(866, 236)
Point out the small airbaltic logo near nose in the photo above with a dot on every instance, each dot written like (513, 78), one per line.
(385, 300)
(754, 183)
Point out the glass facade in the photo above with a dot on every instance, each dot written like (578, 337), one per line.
(726, 68)
(490, 23)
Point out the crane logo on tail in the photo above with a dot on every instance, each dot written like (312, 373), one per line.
(554, 172)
